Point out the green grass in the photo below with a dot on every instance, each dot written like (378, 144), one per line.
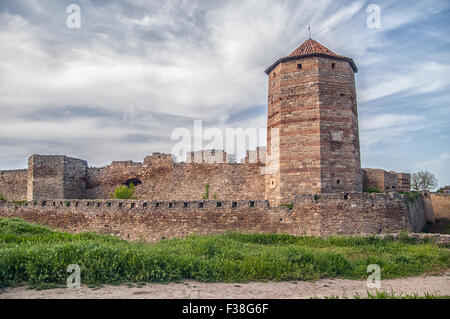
(37, 256)
(19, 202)
(388, 295)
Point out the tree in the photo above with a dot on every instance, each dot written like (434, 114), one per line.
(423, 181)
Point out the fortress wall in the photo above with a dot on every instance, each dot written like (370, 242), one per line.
(379, 179)
(328, 214)
(441, 205)
(164, 180)
(13, 184)
(404, 182)
(74, 178)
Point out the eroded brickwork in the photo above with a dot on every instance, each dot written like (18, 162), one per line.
(379, 179)
(162, 179)
(353, 213)
(56, 176)
(13, 184)
(404, 182)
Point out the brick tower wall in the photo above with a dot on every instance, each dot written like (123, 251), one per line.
(293, 108)
(340, 164)
(312, 101)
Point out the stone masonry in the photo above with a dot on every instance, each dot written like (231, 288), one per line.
(312, 110)
(312, 163)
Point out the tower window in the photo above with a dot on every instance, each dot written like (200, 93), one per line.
(333, 65)
(299, 66)
(274, 74)
(338, 181)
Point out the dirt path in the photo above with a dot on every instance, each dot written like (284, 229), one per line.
(438, 284)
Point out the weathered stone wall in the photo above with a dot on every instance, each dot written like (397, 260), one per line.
(404, 182)
(339, 134)
(45, 177)
(379, 179)
(13, 184)
(441, 205)
(56, 176)
(159, 178)
(416, 214)
(312, 103)
(74, 178)
(321, 215)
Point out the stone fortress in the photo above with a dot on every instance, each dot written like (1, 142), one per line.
(312, 183)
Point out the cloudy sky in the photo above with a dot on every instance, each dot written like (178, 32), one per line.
(117, 87)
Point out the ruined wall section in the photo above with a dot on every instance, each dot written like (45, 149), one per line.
(159, 178)
(379, 179)
(13, 184)
(56, 176)
(45, 177)
(404, 182)
(441, 205)
(324, 215)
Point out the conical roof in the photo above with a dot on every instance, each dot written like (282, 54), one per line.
(311, 48)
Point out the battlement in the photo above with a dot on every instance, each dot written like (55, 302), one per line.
(329, 214)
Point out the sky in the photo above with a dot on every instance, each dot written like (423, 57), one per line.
(118, 86)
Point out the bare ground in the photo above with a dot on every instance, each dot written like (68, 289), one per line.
(436, 284)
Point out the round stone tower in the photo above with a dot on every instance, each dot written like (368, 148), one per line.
(312, 125)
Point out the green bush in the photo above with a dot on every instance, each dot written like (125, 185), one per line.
(410, 196)
(372, 190)
(1, 197)
(124, 192)
(37, 256)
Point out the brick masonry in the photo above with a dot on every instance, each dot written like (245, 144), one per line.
(312, 104)
(312, 108)
(56, 176)
(386, 181)
(320, 215)
(13, 184)
(162, 179)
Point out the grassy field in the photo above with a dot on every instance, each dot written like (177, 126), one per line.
(37, 256)
(387, 295)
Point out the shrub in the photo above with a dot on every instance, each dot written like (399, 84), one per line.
(205, 196)
(410, 196)
(288, 205)
(124, 192)
(1, 197)
(372, 190)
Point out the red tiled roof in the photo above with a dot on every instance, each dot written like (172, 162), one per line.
(312, 48)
